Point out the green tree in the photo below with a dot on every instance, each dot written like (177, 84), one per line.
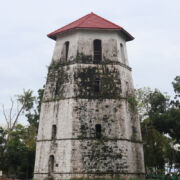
(34, 115)
(25, 101)
(159, 126)
(3, 134)
(17, 159)
(176, 85)
(166, 116)
(18, 142)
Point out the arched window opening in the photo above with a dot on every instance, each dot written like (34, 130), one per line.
(98, 131)
(122, 53)
(54, 132)
(66, 49)
(51, 163)
(97, 51)
(97, 85)
(127, 88)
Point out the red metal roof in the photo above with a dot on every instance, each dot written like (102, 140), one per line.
(91, 21)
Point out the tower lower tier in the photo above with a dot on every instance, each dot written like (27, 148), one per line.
(89, 158)
(77, 148)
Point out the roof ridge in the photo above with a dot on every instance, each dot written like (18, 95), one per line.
(85, 18)
(107, 21)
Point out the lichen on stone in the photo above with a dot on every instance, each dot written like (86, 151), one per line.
(109, 82)
(57, 78)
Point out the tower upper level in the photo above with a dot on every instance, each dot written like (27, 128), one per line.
(91, 21)
(91, 39)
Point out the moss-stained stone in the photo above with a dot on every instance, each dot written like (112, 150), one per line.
(132, 102)
(57, 79)
(109, 82)
(88, 113)
(108, 153)
(81, 58)
(102, 156)
(86, 59)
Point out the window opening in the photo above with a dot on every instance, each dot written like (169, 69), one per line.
(122, 53)
(127, 88)
(97, 51)
(53, 132)
(98, 131)
(66, 50)
(51, 163)
(97, 85)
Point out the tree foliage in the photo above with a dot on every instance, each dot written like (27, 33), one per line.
(160, 126)
(18, 142)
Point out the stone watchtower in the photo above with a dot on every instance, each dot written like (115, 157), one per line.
(88, 123)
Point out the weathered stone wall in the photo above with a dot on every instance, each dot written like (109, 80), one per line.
(77, 81)
(81, 41)
(76, 149)
(72, 104)
(60, 114)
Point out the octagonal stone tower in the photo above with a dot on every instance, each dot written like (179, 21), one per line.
(88, 123)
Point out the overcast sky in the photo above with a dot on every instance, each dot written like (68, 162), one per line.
(25, 50)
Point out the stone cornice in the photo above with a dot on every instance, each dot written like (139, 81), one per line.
(90, 138)
(74, 62)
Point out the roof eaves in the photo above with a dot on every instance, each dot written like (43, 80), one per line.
(128, 36)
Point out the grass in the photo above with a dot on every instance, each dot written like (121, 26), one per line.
(106, 179)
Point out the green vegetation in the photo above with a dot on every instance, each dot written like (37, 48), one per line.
(132, 102)
(105, 179)
(18, 142)
(160, 127)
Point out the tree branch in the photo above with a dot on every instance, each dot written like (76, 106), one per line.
(5, 116)
(10, 113)
(17, 116)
